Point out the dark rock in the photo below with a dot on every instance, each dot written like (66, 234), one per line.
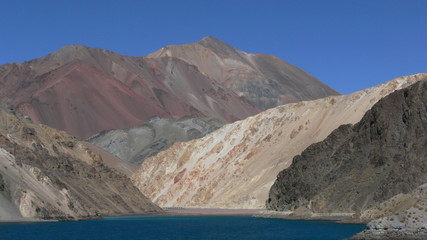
(360, 166)
(28, 132)
(2, 183)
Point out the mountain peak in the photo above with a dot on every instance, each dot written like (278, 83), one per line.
(71, 51)
(73, 48)
(216, 44)
(210, 39)
(78, 48)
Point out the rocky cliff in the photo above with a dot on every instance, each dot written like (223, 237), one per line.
(235, 166)
(364, 169)
(135, 144)
(48, 174)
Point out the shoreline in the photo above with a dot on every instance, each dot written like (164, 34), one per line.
(177, 212)
(171, 212)
(344, 218)
(211, 212)
(28, 220)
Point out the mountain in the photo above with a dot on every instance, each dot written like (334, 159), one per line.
(86, 90)
(235, 166)
(48, 174)
(135, 144)
(367, 168)
(264, 80)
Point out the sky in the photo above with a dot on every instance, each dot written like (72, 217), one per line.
(349, 45)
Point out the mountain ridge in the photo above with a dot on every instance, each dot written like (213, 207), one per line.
(170, 86)
(248, 74)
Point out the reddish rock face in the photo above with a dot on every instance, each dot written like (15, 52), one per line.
(82, 100)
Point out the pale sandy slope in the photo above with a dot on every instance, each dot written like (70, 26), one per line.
(235, 166)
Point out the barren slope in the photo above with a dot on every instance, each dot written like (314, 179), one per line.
(82, 100)
(264, 80)
(86, 90)
(235, 166)
(46, 173)
(135, 144)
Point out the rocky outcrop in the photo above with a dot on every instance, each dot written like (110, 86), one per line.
(403, 217)
(235, 166)
(135, 144)
(47, 174)
(264, 80)
(371, 169)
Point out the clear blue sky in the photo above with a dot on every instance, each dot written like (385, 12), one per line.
(350, 45)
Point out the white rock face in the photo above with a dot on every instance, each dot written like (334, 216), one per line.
(235, 166)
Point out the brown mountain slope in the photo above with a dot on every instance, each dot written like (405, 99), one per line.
(235, 166)
(85, 90)
(46, 173)
(264, 80)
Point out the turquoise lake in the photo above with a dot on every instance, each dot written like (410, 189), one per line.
(177, 228)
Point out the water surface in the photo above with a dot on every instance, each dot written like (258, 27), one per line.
(177, 228)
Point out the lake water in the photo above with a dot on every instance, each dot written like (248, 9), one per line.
(177, 228)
